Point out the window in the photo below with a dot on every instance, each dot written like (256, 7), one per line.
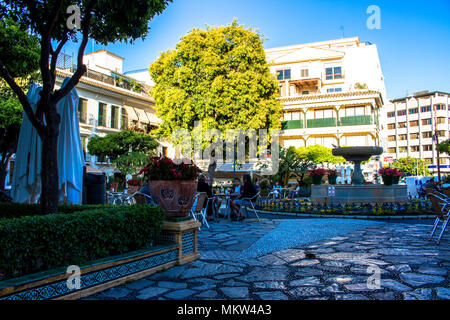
(441, 120)
(414, 136)
(115, 117)
(333, 73)
(391, 138)
(164, 151)
(124, 120)
(284, 74)
(402, 125)
(402, 137)
(413, 111)
(440, 133)
(391, 114)
(427, 134)
(442, 161)
(334, 90)
(305, 92)
(428, 160)
(304, 73)
(403, 149)
(391, 150)
(82, 110)
(414, 148)
(426, 121)
(414, 123)
(401, 113)
(425, 109)
(391, 126)
(427, 147)
(102, 114)
(439, 107)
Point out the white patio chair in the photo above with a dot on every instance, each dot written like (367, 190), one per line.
(197, 209)
(248, 202)
(441, 204)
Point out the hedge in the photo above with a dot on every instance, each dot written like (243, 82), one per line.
(32, 244)
(16, 210)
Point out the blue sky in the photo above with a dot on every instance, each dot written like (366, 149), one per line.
(413, 42)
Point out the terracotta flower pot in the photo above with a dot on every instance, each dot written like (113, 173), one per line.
(175, 197)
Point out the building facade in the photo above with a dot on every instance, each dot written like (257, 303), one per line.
(333, 93)
(411, 124)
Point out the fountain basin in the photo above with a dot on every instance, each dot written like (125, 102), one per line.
(367, 193)
(357, 155)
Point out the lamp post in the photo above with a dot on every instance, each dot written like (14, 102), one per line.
(234, 161)
(436, 141)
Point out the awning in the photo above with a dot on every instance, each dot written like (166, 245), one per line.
(141, 115)
(131, 113)
(153, 118)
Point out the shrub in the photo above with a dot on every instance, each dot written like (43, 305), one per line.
(36, 243)
(16, 210)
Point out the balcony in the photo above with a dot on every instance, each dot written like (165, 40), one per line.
(319, 123)
(356, 120)
(292, 124)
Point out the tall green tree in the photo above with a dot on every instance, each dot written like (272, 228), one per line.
(218, 76)
(410, 166)
(122, 143)
(101, 20)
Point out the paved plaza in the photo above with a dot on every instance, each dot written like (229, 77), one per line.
(296, 259)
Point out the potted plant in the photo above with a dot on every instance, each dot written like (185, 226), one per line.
(396, 176)
(390, 176)
(134, 185)
(317, 175)
(332, 176)
(172, 185)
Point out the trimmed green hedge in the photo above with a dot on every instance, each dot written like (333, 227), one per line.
(32, 244)
(16, 210)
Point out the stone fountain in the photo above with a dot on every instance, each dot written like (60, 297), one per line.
(358, 192)
(357, 155)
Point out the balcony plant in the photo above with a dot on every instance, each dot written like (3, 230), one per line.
(172, 185)
(317, 175)
(332, 176)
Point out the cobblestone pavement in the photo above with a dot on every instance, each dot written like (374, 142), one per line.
(336, 265)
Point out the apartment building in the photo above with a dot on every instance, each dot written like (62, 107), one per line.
(412, 122)
(333, 93)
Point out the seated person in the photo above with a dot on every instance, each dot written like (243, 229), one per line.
(293, 191)
(430, 184)
(202, 186)
(276, 190)
(249, 191)
(146, 190)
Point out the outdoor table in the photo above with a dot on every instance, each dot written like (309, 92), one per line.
(228, 202)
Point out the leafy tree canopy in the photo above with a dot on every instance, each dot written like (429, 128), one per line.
(410, 166)
(114, 145)
(318, 154)
(444, 147)
(218, 76)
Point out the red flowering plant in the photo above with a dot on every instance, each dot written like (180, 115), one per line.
(134, 182)
(317, 172)
(332, 172)
(163, 168)
(393, 172)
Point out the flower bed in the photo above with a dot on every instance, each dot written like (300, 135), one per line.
(33, 243)
(413, 208)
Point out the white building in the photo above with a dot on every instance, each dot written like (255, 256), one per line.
(333, 93)
(411, 123)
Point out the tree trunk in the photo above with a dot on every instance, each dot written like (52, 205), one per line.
(3, 174)
(49, 170)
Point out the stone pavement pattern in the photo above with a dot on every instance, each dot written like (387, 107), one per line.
(336, 268)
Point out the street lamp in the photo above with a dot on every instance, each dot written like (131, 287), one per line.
(436, 141)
